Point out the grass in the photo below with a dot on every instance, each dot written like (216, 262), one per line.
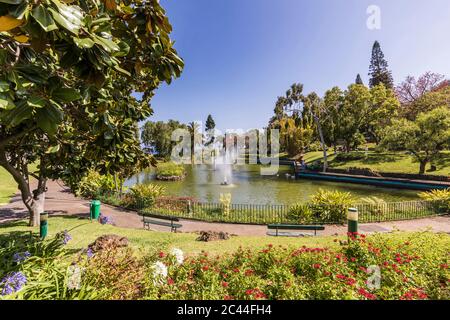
(396, 162)
(8, 187)
(84, 232)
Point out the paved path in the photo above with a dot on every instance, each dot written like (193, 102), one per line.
(59, 201)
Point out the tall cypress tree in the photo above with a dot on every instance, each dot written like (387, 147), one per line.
(378, 70)
(358, 79)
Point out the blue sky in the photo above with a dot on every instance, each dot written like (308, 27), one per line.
(241, 54)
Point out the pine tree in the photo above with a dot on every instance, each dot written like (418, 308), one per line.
(210, 124)
(378, 70)
(358, 79)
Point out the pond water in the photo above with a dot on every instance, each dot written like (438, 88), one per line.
(247, 185)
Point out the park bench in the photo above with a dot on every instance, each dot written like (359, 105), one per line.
(161, 220)
(280, 226)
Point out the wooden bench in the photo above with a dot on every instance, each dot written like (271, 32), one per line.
(294, 227)
(163, 220)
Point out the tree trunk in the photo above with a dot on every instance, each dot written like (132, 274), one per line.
(33, 202)
(37, 205)
(322, 142)
(423, 165)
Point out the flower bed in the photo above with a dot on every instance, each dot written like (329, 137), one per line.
(410, 267)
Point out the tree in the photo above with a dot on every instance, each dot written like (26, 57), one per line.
(358, 79)
(196, 139)
(316, 107)
(157, 136)
(418, 95)
(378, 70)
(69, 71)
(382, 109)
(209, 128)
(423, 138)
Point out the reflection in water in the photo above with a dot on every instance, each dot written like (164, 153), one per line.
(248, 186)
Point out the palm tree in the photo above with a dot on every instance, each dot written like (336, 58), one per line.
(196, 137)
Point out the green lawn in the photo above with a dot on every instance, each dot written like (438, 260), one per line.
(84, 232)
(8, 186)
(397, 162)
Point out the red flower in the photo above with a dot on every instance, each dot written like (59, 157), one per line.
(170, 281)
(205, 268)
(351, 281)
(228, 297)
(224, 284)
(236, 270)
(316, 266)
(366, 294)
(249, 272)
(162, 254)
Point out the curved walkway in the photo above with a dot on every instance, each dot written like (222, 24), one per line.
(59, 201)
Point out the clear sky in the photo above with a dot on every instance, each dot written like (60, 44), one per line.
(241, 54)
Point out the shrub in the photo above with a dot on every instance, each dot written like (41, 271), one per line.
(301, 213)
(441, 199)
(331, 206)
(225, 201)
(142, 196)
(94, 185)
(170, 171)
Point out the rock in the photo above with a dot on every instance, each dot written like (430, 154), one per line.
(109, 241)
(207, 236)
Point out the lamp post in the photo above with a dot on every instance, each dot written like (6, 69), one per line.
(43, 228)
(352, 220)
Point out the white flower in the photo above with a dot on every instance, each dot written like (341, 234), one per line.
(74, 277)
(159, 272)
(178, 253)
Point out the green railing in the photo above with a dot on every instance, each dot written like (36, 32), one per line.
(268, 213)
(396, 211)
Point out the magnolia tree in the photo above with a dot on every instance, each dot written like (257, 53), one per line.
(70, 71)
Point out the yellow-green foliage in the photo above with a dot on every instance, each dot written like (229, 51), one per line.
(169, 169)
(331, 205)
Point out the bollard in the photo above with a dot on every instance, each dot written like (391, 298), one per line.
(95, 209)
(43, 228)
(352, 220)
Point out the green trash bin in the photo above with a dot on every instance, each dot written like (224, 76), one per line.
(95, 209)
(43, 226)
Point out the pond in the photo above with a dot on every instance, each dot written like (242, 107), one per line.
(247, 185)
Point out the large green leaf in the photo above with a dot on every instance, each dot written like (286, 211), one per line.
(12, 1)
(41, 15)
(84, 43)
(72, 26)
(107, 44)
(37, 102)
(66, 95)
(49, 118)
(5, 102)
(4, 86)
(17, 115)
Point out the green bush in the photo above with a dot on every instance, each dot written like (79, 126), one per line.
(94, 184)
(169, 170)
(301, 213)
(440, 198)
(331, 206)
(142, 196)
